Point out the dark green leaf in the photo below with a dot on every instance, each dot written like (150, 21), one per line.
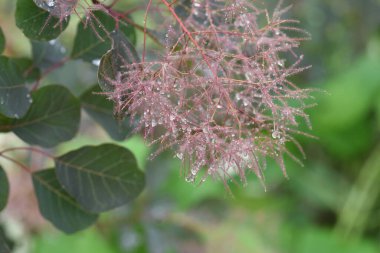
(107, 72)
(4, 189)
(14, 96)
(57, 206)
(93, 39)
(6, 245)
(101, 177)
(101, 110)
(53, 117)
(36, 23)
(45, 54)
(183, 8)
(112, 64)
(2, 41)
(28, 69)
(56, 7)
(5, 124)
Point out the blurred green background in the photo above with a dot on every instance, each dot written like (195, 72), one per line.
(332, 204)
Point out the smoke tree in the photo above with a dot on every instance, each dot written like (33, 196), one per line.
(210, 81)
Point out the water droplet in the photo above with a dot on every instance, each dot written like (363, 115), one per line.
(57, 8)
(276, 134)
(190, 178)
(96, 62)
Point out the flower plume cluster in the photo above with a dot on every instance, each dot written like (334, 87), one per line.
(220, 94)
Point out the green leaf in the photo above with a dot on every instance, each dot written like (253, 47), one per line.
(29, 72)
(101, 177)
(57, 8)
(53, 117)
(57, 206)
(14, 96)
(45, 54)
(107, 72)
(5, 124)
(4, 189)
(92, 39)
(6, 245)
(377, 110)
(338, 110)
(183, 8)
(112, 64)
(2, 41)
(36, 23)
(101, 110)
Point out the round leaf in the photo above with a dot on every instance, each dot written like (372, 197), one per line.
(5, 124)
(28, 69)
(14, 96)
(183, 8)
(53, 117)
(113, 62)
(101, 110)
(4, 189)
(92, 39)
(2, 41)
(57, 206)
(101, 177)
(56, 7)
(46, 54)
(36, 23)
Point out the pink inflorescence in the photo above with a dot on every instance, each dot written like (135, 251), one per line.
(220, 95)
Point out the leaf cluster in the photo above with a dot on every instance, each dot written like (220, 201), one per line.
(92, 179)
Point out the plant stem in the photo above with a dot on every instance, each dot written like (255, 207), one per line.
(360, 201)
(21, 165)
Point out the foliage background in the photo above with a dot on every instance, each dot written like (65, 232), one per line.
(332, 204)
